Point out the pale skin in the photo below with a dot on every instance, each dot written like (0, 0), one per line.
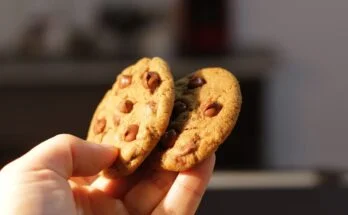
(60, 176)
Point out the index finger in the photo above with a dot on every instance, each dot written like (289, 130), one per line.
(187, 191)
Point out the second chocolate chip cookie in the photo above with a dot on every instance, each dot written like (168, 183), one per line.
(206, 109)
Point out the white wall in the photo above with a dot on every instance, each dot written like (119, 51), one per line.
(307, 104)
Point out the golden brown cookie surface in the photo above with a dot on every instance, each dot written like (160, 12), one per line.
(205, 111)
(135, 113)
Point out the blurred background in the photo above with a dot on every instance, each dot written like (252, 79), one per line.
(288, 152)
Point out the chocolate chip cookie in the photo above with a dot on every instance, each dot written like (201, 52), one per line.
(205, 111)
(134, 114)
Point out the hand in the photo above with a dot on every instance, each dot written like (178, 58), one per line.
(59, 177)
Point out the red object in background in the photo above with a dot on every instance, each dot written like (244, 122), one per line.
(203, 27)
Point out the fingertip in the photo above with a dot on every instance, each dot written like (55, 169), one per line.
(188, 189)
(214, 157)
(206, 167)
(110, 147)
(212, 161)
(112, 152)
(105, 147)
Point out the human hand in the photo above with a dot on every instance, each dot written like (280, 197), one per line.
(59, 176)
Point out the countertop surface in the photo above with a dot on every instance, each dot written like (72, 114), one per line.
(86, 72)
(264, 179)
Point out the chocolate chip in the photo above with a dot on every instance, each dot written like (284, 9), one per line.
(113, 167)
(99, 126)
(179, 107)
(212, 109)
(116, 119)
(134, 156)
(195, 82)
(151, 80)
(125, 81)
(168, 139)
(125, 106)
(131, 133)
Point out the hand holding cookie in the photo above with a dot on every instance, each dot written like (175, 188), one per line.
(156, 143)
(59, 177)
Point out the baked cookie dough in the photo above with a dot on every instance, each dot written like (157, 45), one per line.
(134, 114)
(205, 111)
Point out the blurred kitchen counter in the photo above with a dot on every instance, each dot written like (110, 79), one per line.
(237, 179)
(276, 192)
(248, 63)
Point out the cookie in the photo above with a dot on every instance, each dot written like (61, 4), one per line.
(134, 114)
(205, 111)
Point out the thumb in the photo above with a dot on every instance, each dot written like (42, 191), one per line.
(68, 156)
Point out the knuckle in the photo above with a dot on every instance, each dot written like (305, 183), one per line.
(9, 167)
(64, 138)
(6, 168)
